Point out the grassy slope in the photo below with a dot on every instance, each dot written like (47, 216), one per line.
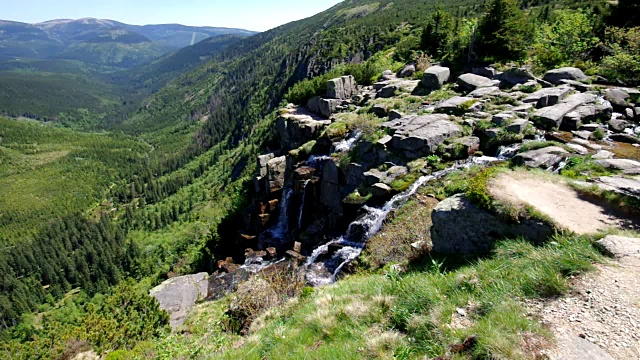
(47, 172)
(386, 314)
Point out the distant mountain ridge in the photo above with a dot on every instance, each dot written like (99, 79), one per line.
(100, 41)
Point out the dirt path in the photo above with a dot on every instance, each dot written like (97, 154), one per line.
(600, 318)
(602, 310)
(556, 200)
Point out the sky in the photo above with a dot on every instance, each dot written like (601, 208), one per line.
(257, 15)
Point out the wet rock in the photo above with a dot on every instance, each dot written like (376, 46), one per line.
(458, 105)
(272, 253)
(541, 158)
(178, 295)
(471, 82)
(342, 88)
(618, 98)
(463, 147)
(407, 71)
(330, 192)
(354, 175)
(422, 133)
(547, 97)
(381, 191)
(552, 116)
(515, 76)
(460, 227)
(625, 138)
(590, 127)
(435, 76)
(567, 73)
(518, 126)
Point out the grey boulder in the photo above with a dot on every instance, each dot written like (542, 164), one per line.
(541, 158)
(566, 73)
(178, 295)
(471, 82)
(435, 76)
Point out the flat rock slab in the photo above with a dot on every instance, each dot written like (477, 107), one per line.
(577, 348)
(619, 164)
(178, 295)
(629, 186)
(547, 97)
(458, 105)
(625, 249)
(422, 132)
(471, 82)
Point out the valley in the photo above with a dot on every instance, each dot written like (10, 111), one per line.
(385, 179)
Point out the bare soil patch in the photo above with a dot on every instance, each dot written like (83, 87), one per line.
(556, 200)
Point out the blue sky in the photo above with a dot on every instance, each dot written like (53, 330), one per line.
(256, 15)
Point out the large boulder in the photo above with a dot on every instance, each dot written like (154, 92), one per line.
(471, 82)
(541, 158)
(407, 71)
(422, 133)
(461, 227)
(626, 249)
(619, 164)
(178, 295)
(342, 88)
(515, 76)
(553, 116)
(330, 196)
(629, 186)
(324, 107)
(435, 76)
(618, 98)
(567, 73)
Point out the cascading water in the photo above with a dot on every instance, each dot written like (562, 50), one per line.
(324, 269)
(304, 190)
(508, 151)
(346, 144)
(282, 227)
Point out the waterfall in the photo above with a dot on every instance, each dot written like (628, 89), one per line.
(281, 229)
(325, 271)
(507, 152)
(346, 144)
(304, 190)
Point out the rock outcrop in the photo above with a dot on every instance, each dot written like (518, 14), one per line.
(435, 76)
(460, 227)
(567, 73)
(178, 295)
(422, 134)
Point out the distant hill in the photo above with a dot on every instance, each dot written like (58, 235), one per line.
(99, 41)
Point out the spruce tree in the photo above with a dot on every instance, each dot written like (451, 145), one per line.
(503, 32)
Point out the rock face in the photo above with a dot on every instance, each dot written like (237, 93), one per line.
(297, 126)
(471, 82)
(585, 105)
(435, 76)
(342, 88)
(178, 295)
(541, 158)
(567, 73)
(324, 107)
(460, 227)
(276, 170)
(422, 133)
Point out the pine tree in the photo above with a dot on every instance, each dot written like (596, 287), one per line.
(503, 32)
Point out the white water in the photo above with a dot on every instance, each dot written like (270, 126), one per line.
(346, 144)
(325, 271)
(282, 227)
(304, 190)
(508, 151)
